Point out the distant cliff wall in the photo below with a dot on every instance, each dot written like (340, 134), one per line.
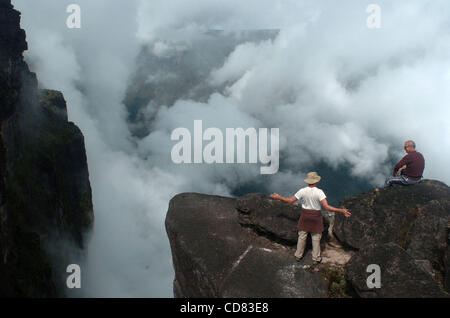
(45, 193)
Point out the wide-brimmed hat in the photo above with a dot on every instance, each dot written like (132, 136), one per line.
(312, 177)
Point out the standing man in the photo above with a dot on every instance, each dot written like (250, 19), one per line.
(409, 170)
(311, 220)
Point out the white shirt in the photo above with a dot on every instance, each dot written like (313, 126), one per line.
(310, 197)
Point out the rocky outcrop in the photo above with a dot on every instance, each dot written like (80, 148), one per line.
(389, 214)
(214, 256)
(447, 266)
(12, 45)
(400, 275)
(45, 194)
(268, 216)
(415, 218)
(274, 219)
(243, 247)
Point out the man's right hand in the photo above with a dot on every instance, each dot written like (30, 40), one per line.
(346, 213)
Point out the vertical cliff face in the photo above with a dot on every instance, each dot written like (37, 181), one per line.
(45, 194)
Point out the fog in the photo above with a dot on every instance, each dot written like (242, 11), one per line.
(340, 93)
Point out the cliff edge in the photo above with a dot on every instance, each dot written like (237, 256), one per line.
(244, 247)
(45, 193)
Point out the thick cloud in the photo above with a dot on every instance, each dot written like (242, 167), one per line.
(339, 92)
(128, 254)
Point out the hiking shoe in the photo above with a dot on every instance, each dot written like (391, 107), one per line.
(298, 259)
(318, 261)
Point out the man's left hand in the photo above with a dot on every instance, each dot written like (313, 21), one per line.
(399, 172)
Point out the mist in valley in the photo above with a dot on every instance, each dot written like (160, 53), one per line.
(344, 97)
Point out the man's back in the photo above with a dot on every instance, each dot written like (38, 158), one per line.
(310, 197)
(415, 164)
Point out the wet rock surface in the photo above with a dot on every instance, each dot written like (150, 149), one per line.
(400, 276)
(214, 256)
(389, 214)
(243, 247)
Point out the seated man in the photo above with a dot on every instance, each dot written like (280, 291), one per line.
(408, 170)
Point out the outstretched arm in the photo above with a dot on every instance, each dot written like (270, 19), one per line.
(333, 209)
(290, 200)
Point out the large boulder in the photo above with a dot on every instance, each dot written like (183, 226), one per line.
(399, 276)
(227, 247)
(447, 266)
(215, 256)
(414, 217)
(427, 239)
(273, 218)
(389, 214)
